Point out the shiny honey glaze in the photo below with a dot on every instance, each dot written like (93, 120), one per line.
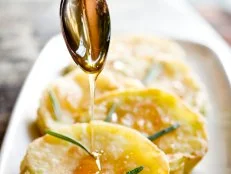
(153, 110)
(88, 165)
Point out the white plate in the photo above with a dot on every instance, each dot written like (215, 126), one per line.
(212, 68)
(21, 130)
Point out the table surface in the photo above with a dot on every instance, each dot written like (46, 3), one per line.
(25, 26)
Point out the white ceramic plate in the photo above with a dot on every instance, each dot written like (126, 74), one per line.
(212, 67)
(22, 130)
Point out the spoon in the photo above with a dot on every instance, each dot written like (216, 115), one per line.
(86, 29)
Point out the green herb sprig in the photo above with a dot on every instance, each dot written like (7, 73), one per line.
(70, 140)
(136, 170)
(110, 113)
(152, 73)
(68, 69)
(55, 105)
(163, 132)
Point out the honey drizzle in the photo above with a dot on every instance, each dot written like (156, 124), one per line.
(97, 157)
(92, 81)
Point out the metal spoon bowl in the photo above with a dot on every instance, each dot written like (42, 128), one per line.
(86, 29)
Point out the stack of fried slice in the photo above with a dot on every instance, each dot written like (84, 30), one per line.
(150, 109)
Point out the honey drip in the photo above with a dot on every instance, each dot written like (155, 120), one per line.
(97, 157)
(92, 80)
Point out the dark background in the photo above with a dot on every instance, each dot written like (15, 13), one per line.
(26, 25)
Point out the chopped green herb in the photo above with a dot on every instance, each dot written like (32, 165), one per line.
(152, 73)
(136, 170)
(68, 69)
(111, 111)
(55, 105)
(163, 132)
(203, 110)
(68, 139)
